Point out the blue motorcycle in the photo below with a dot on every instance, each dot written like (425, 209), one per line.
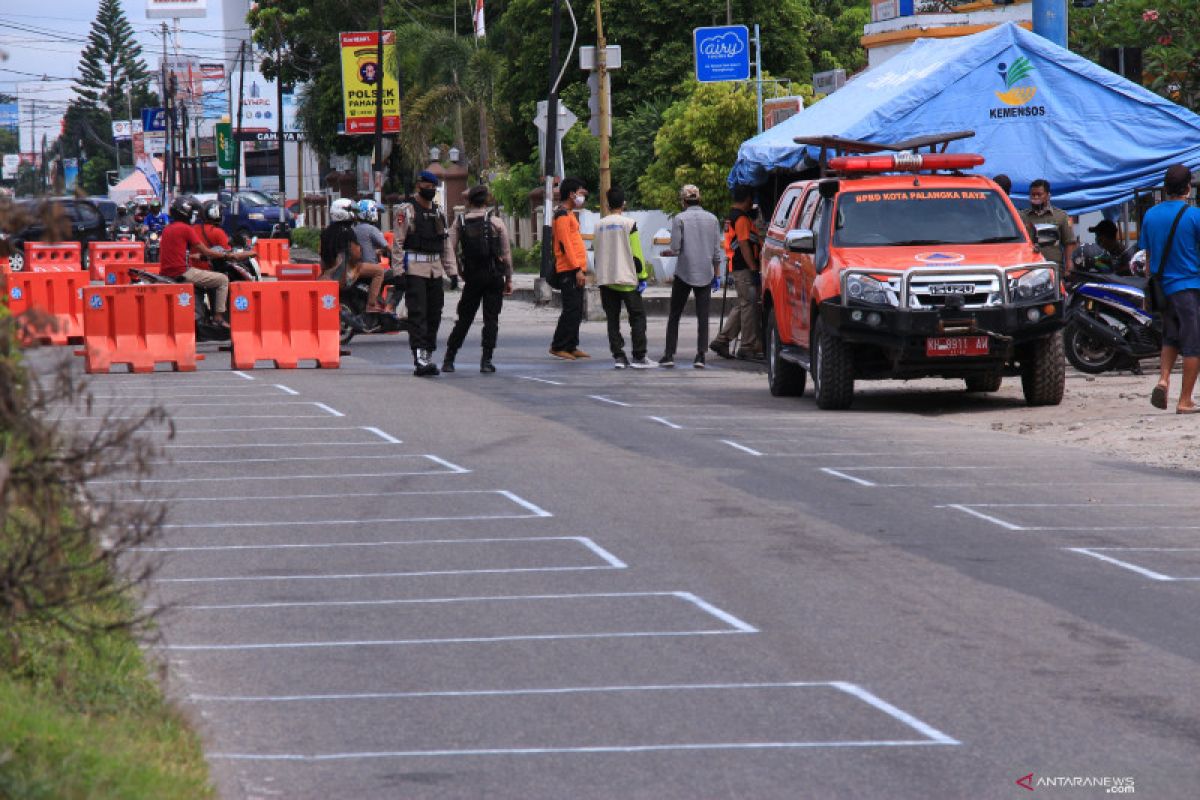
(1108, 326)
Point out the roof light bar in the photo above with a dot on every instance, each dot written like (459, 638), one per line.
(905, 162)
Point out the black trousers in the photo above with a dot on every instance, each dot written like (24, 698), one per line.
(613, 300)
(487, 290)
(424, 298)
(679, 296)
(566, 334)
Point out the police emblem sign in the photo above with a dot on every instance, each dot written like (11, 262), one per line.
(361, 74)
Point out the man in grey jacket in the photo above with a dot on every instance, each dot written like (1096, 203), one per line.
(696, 241)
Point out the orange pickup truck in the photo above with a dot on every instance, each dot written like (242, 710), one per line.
(901, 266)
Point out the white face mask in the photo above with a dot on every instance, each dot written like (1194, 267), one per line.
(580, 200)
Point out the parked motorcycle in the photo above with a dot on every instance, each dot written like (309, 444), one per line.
(1108, 326)
(356, 320)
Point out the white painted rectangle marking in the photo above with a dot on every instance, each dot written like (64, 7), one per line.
(741, 447)
(1101, 553)
(608, 400)
(541, 380)
(839, 474)
(1139, 516)
(333, 412)
(286, 389)
(621, 720)
(387, 437)
(666, 422)
(605, 613)
(358, 560)
(449, 469)
(241, 374)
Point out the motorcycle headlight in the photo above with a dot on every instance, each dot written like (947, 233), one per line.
(868, 290)
(1035, 284)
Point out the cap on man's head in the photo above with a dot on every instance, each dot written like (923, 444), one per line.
(1105, 227)
(689, 192)
(478, 194)
(428, 177)
(1178, 178)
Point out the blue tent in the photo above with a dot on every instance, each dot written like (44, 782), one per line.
(1038, 111)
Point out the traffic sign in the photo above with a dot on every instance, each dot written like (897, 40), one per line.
(722, 53)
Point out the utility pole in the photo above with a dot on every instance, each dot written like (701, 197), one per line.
(605, 111)
(237, 131)
(279, 126)
(549, 158)
(379, 107)
(167, 165)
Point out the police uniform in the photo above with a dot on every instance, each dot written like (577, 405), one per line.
(421, 249)
(1050, 216)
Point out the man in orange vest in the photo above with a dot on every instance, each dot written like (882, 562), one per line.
(570, 256)
(743, 251)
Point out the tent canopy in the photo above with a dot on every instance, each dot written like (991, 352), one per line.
(1038, 111)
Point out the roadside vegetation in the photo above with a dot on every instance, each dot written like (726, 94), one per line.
(82, 714)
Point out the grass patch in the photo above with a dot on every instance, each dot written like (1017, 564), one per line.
(86, 719)
(309, 238)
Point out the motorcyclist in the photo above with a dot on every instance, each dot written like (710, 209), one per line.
(156, 221)
(180, 244)
(373, 245)
(333, 236)
(1108, 255)
(212, 234)
(122, 223)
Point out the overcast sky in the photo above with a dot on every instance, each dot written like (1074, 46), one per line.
(51, 44)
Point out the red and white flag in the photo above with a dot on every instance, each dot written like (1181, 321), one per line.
(480, 27)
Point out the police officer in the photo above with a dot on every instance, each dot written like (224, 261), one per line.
(1041, 212)
(421, 247)
(486, 265)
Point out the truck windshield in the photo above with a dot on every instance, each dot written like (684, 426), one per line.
(897, 217)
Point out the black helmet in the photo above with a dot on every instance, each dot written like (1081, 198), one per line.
(212, 212)
(183, 208)
(122, 210)
(155, 204)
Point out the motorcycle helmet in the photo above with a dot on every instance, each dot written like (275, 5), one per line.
(1091, 258)
(122, 210)
(183, 208)
(155, 206)
(212, 212)
(342, 210)
(368, 211)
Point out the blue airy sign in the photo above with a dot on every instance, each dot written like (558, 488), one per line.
(722, 53)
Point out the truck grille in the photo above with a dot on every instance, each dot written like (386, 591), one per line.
(976, 290)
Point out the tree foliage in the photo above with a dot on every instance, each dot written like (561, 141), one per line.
(1168, 31)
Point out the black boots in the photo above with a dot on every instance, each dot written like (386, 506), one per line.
(448, 361)
(485, 363)
(424, 367)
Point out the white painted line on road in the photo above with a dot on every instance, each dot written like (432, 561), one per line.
(1157, 576)
(241, 445)
(454, 468)
(895, 713)
(281, 458)
(741, 447)
(420, 601)
(536, 513)
(228, 478)
(600, 551)
(331, 411)
(241, 374)
(838, 474)
(220, 548)
(609, 400)
(285, 389)
(248, 392)
(224, 415)
(387, 437)
(541, 380)
(988, 517)
(363, 575)
(667, 422)
(724, 616)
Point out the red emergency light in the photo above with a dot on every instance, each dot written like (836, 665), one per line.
(905, 162)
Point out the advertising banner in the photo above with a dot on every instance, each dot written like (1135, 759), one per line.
(70, 173)
(189, 81)
(259, 109)
(12, 161)
(361, 74)
(10, 117)
(226, 148)
(176, 9)
(722, 53)
(216, 98)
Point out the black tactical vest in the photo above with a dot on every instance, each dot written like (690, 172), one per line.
(427, 232)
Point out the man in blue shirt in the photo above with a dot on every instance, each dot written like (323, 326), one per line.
(1180, 283)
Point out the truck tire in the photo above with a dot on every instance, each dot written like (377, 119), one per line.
(1044, 371)
(784, 378)
(832, 369)
(985, 383)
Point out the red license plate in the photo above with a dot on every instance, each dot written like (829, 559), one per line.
(956, 346)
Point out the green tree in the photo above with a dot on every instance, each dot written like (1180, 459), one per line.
(1168, 31)
(113, 80)
(699, 140)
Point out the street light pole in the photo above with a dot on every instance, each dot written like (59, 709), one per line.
(550, 158)
(605, 111)
(379, 107)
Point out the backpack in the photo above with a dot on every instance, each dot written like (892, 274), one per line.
(480, 248)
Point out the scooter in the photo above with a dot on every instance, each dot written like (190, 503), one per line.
(151, 238)
(356, 320)
(1108, 326)
(206, 329)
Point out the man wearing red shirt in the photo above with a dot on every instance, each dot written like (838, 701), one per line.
(180, 242)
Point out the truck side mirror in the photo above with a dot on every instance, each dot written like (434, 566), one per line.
(801, 240)
(1046, 235)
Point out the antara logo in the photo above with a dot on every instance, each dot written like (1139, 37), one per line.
(1026, 782)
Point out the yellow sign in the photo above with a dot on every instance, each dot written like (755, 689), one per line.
(361, 73)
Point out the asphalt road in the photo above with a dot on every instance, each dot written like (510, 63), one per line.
(566, 581)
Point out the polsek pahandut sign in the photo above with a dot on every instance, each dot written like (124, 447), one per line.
(361, 73)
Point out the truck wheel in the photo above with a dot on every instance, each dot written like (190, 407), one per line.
(1044, 371)
(784, 378)
(832, 369)
(1085, 353)
(985, 383)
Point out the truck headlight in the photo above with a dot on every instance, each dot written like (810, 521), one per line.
(256, 215)
(1036, 284)
(868, 290)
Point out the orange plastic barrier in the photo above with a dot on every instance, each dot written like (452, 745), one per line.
(117, 273)
(53, 256)
(57, 297)
(101, 254)
(140, 326)
(298, 272)
(272, 253)
(284, 322)
(3, 263)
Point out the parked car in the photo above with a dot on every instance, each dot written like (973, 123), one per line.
(56, 219)
(107, 207)
(256, 215)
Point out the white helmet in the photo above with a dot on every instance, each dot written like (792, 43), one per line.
(342, 210)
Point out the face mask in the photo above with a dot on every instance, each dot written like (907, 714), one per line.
(427, 193)
(1037, 206)
(579, 201)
